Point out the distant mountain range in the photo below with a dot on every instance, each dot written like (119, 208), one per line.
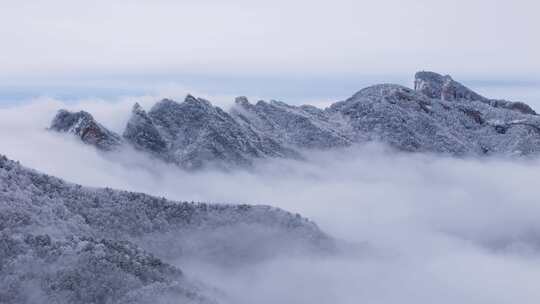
(439, 115)
(64, 243)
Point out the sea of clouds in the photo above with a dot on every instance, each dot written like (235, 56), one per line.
(420, 228)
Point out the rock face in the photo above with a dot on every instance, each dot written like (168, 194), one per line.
(397, 116)
(441, 87)
(439, 115)
(304, 127)
(194, 133)
(415, 121)
(64, 243)
(142, 133)
(83, 125)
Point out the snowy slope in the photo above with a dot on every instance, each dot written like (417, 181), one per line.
(64, 243)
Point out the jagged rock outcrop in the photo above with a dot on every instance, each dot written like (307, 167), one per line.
(415, 121)
(194, 133)
(64, 243)
(442, 87)
(398, 116)
(84, 126)
(439, 115)
(294, 126)
(143, 134)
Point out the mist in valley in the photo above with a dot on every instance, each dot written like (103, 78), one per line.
(410, 228)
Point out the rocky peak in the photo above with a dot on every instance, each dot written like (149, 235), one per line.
(163, 104)
(290, 125)
(192, 100)
(142, 133)
(516, 106)
(137, 109)
(383, 97)
(83, 125)
(430, 83)
(241, 108)
(441, 87)
(169, 111)
(66, 121)
(381, 90)
(278, 103)
(242, 100)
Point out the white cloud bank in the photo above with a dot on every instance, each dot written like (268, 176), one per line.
(433, 229)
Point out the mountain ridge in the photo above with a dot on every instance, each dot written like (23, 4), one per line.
(71, 244)
(438, 115)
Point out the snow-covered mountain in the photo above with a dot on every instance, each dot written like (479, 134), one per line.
(194, 133)
(439, 115)
(64, 243)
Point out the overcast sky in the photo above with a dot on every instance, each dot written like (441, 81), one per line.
(264, 47)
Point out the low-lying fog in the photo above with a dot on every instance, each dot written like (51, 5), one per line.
(430, 229)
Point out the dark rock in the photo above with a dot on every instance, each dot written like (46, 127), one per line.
(83, 125)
